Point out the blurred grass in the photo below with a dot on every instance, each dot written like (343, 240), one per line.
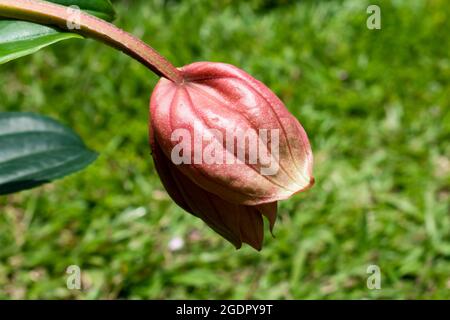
(375, 104)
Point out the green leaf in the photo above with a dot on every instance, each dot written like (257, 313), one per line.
(21, 38)
(35, 150)
(102, 9)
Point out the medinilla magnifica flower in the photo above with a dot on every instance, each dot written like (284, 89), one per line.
(217, 101)
(225, 147)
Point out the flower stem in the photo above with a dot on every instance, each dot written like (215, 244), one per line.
(53, 14)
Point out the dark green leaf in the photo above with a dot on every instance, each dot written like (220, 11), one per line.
(35, 150)
(20, 38)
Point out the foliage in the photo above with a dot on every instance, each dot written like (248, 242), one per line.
(36, 150)
(20, 38)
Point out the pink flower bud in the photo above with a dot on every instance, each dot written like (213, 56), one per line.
(227, 149)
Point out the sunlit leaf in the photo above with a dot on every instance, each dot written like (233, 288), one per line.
(21, 38)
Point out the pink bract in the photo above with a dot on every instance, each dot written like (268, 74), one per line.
(220, 100)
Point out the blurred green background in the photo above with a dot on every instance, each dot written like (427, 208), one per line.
(375, 104)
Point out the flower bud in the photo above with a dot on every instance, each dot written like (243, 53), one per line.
(227, 149)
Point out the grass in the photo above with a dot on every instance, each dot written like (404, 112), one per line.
(375, 104)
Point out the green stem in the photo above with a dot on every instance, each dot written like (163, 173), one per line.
(53, 14)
